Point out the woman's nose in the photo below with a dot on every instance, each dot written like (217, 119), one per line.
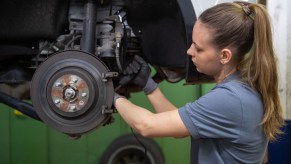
(190, 51)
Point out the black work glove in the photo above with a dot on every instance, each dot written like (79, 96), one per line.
(129, 73)
(139, 70)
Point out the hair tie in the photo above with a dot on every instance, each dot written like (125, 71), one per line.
(247, 9)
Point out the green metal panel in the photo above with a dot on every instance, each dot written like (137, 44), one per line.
(28, 140)
(206, 88)
(23, 140)
(63, 149)
(5, 134)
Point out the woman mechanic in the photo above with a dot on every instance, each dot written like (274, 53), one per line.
(233, 123)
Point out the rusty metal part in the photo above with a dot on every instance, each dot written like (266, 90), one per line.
(70, 93)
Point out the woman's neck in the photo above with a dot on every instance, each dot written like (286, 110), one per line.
(224, 74)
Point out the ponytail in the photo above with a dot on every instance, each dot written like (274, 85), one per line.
(245, 29)
(262, 73)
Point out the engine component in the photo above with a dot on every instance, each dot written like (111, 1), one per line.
(72, 92)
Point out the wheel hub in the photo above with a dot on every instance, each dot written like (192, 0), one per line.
(70, 93)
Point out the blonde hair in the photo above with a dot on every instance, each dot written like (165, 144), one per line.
(245, 29)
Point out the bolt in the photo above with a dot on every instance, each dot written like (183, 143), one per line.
(75, 80)
(72, 108)
(58, 84)
(57, 101)
(84, 94)
(70, 93)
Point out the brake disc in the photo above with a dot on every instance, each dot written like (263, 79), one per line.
(71, 92)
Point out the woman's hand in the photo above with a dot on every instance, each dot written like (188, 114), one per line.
(138, 72)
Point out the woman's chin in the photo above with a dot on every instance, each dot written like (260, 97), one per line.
(198, 70)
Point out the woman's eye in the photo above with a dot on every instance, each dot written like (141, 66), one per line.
(198, 49)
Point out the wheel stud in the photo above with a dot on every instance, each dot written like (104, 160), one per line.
(84, 94)
(58, 84)
(73, 108)
(57, 101)
(75, 80)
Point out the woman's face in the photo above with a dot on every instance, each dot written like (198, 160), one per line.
(204, 56)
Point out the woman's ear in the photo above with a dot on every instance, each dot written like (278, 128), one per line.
(225, 56)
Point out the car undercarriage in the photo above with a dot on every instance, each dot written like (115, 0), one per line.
(67, 56)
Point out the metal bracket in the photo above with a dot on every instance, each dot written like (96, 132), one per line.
(106, 110)
(107, 75)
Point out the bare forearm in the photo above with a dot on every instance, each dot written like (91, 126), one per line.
(135, 116)
(165, 124)
(160, 102)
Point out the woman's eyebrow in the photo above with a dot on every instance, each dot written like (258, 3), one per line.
(196, 45)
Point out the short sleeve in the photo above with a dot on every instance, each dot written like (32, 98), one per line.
(217, 114)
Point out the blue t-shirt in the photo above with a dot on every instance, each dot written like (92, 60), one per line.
(225, 124)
